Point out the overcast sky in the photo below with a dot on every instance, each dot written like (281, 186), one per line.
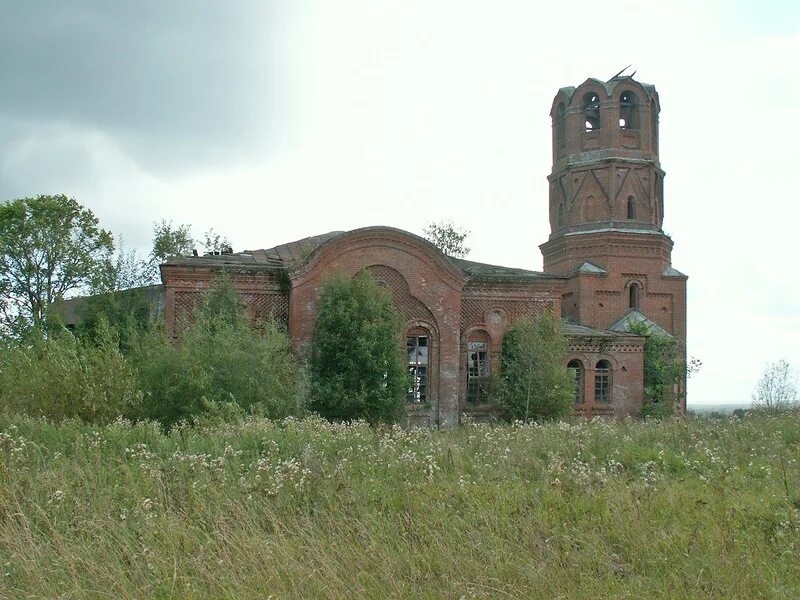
(272, 121)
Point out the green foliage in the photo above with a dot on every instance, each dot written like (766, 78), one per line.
(126, 313)
(62, 377)
(221, 358)
(692, 508)
(357, 367)
(664, 371)
(49, 246)
(448, 238)
(170, 241)
(533, 382)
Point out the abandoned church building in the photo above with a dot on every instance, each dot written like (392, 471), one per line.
(607, 264)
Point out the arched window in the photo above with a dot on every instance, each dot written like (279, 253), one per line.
(633, 295)
(560, 215)
(560, 128)
(654, 125)
(478, 368)
(628, 111)
(591, 112)
(576, 368)
(631, 208)
(602, 382)
(418, 357)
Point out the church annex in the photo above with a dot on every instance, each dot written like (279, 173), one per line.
(607, 263)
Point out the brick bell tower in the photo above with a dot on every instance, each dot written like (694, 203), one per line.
(607, 207)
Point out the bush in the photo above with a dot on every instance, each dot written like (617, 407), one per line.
(664, 371)
(357, 366)
(62, 377)
(221, 358)
(533, 382)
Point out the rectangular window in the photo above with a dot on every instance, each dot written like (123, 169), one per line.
(477, 372)
(417, 353)
(601, 386)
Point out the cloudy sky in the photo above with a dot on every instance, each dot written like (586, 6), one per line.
(274, 120)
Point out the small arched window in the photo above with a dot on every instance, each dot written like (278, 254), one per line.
(602, 382)
(591, 112)
(654, 125)
(478, 368)
(631, 208)
(560, 128)
(628, 111)
(560, 215)
(633, 295)
(576, 368)
(418, 360)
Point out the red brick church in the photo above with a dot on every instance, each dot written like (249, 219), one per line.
(606, 264)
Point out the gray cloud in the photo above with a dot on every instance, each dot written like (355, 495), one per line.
(176, 84)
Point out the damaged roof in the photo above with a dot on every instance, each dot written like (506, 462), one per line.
(292, 254)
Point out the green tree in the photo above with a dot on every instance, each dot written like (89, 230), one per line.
(49, 246)
(357, 367)
(448, 238)
(221, 359)
(533, 382)
(664, 371)
(776, 390)
(169, 241)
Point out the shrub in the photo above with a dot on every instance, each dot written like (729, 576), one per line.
(357, 367)
(62, 377)
(664, 371)
(533, 382)
(221, 358)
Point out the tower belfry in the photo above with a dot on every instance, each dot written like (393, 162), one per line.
(606, 206)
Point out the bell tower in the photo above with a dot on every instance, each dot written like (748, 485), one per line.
(606, 209)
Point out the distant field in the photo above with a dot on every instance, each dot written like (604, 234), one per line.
(724, 409)
(702, 508)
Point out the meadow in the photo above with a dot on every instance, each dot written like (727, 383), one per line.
(302, 508)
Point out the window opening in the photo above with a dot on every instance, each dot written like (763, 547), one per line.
(560, 215)
(628, 111)
(591, 112)
(631, 208)
(633, 296)
(560, 128)
(417, 353)
(576, 368)
(602, 382)
(477, 371)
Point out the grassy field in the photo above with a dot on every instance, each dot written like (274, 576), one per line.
(700, 508)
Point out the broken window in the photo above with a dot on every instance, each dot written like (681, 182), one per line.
(602, 382)
(628, 111)
(477, 371)
(591, 112)
(576, 368)
(631, 208)
(418, 358)
(633, 295)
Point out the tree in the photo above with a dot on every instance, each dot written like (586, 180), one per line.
(49, 246)
(534, 383)
(448, 238)
(170, 241)
(357, 367)
(776, 390)
(222, 359)
(215, 243)
(665, 371)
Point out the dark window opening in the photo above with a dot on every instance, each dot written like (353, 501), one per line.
(477, 371)
(591, 112)
(560, 128)
(631, 208)
(560, 215)
(654, 125)
(602, 382)
(417, 353)
(576, 368)
(633, 296)
(628, 111)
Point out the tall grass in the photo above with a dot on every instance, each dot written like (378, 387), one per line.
(304, 508)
